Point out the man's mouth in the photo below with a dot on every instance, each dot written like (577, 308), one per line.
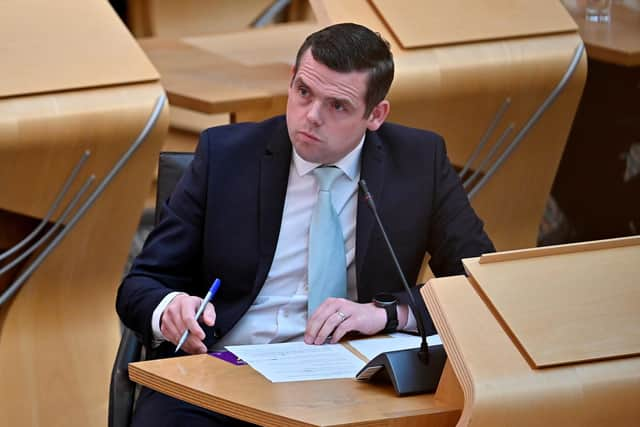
(308, 135)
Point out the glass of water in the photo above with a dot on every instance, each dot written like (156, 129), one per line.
(598, 10)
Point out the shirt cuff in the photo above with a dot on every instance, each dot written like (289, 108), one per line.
(158, 338)
(412, 325)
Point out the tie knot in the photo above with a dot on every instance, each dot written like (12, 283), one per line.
(326, 176)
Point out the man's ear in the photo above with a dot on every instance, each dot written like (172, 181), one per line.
(378, 115)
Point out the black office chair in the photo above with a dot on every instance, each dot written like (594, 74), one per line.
(122, 391)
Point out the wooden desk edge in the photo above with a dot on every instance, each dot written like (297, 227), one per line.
(439, 414)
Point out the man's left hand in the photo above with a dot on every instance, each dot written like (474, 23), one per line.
(337, 316)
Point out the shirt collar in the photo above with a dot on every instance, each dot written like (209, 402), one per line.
(349, 164)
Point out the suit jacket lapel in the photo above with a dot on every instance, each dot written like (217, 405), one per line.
(274, 175)
(372, 170)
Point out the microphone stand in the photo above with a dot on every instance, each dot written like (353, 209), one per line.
(411, 371)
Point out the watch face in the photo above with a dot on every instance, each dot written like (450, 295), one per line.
(385, 298)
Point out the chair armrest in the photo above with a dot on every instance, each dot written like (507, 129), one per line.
(122, 389)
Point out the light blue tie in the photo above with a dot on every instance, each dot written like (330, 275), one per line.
(327, 262)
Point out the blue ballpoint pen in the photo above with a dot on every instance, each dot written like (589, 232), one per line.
(207, 298)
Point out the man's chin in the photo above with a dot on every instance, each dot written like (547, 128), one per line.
(308, 152)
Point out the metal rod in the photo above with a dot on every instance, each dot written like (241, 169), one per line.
(54, 206)
(267, 16)
(53, 229)
(533, 120)
(19, 281)
(489, 155)
(485, 137)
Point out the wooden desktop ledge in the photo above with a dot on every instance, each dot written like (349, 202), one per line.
(241, 392)
(228, 73)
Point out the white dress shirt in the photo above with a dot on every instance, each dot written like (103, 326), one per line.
(279, 313)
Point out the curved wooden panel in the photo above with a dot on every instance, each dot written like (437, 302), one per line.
(60, 331)
(472, 84)
(499, 386)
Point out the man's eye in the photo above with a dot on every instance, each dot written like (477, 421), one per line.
(338, 106)
(303, 91)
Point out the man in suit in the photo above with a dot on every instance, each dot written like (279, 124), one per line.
(244, 208)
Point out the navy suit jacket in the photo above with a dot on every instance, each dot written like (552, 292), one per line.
(224, 216)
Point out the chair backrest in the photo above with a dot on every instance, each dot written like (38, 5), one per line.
(171, 166)
(122, 391)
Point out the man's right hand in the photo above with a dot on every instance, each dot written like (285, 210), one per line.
(180, 315)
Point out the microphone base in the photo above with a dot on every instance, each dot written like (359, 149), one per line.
(408, 374)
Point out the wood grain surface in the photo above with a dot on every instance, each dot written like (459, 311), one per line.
(501, 389)
(73, 80)
(428, 23)
(566, 307)
(51, 46)
(241, 392)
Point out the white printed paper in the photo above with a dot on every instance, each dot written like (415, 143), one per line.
(298, 361)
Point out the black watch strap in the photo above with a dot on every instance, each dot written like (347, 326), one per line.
(392, 318)
(390, 304)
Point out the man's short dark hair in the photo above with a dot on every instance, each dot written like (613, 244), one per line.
(351, 47)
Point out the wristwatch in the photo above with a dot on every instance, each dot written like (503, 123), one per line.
(390, 304)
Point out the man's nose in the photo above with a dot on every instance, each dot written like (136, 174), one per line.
(314, 113)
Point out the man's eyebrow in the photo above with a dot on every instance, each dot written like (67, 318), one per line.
(346, 101)
(299, 80)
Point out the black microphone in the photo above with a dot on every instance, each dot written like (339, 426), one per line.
(412, 371)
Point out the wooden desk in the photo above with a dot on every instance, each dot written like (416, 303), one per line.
(476, 317)
(246, 73)
(617, 42)
(241, 392)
